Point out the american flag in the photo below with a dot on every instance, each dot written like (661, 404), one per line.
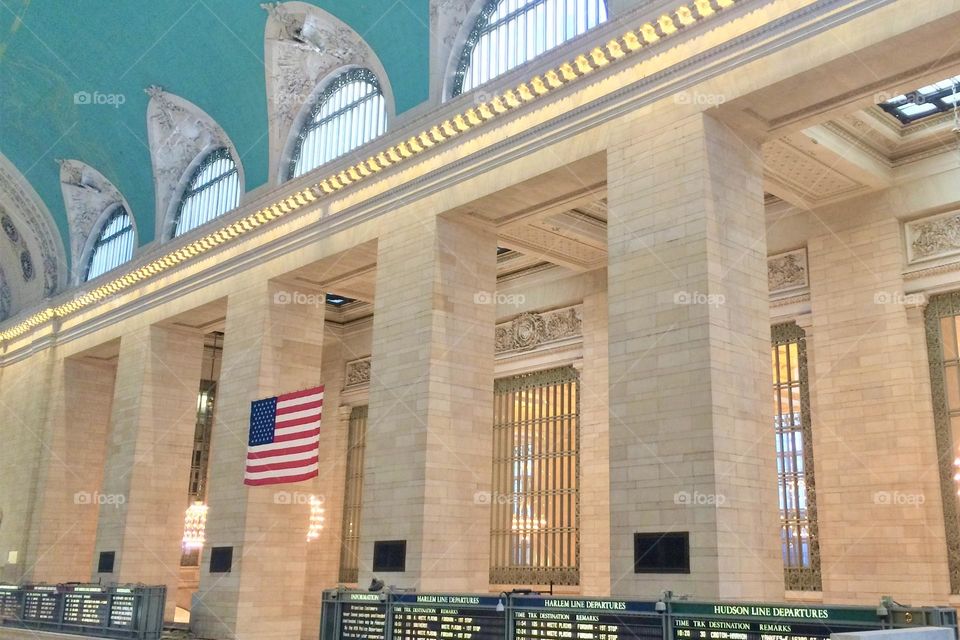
(284, 438)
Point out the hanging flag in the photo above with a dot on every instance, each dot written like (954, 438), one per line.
(284, 438)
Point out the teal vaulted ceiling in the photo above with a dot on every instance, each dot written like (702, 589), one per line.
(209, 52)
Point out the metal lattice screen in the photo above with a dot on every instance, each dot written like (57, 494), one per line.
(352, 496)
(535, 502)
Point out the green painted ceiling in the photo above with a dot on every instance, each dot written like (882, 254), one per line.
(207, 51)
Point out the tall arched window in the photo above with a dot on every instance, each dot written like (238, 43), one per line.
(508, 33)
(114, 245)
(214, 189)
(349, 113)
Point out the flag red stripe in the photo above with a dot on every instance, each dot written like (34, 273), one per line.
(300, 394)
(299, 435)
(282, 479)
(296, 422)
(294, 408)
(276, 466)
(303, 448)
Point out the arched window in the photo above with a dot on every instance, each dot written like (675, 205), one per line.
(214, 189)
(349, 113)
(114, 245)
(508, 33)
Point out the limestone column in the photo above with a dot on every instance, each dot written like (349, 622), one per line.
(272, 345)
(64, 525)
(428, 445)
(144, 492)
(691, 437)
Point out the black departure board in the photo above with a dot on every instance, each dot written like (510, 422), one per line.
(448, 617)
(540, 618)
(40, 604)
(87, 606)
(696, 621)
(363, 616)
(9, 602)
(123, 608)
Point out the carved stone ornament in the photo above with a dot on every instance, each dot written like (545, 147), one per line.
(36, 233)
(787, 271)
(87, 194)
(934, 237)
(178, 131)
(304, 46)
(531, 330)
(358, 372)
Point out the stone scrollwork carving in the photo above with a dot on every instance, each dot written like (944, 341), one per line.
(934, 237)
(305, 45)
(787, 271)
(178, 131)
(531, 330)
(358, 372)
(87, 194)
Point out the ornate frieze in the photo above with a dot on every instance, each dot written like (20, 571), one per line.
(357, 372)
(531, 330)
(87, 195)
(178, 131)
(933, 237)
(787, 271)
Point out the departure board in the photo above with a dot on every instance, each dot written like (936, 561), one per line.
(40, 604)
(579, 619)
(448, 617)
(363, 616)
(695, 621)
(9, 602)
(123, 608)
(86, 606)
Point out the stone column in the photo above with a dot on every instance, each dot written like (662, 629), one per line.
(428, 446)
(64, 526)
(145, 480)
(691, 437)
(272, 345)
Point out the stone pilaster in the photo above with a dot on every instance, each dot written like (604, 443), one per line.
(431, 404)
(272, 345)
(691, 437)
(150, 442)
(64, 526)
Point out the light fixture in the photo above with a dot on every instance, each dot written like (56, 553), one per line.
(195, 526)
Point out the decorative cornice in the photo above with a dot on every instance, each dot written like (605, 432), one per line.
(529, 331)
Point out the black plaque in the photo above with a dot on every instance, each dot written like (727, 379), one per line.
(582, 619)
(430, 617)
(363, 616)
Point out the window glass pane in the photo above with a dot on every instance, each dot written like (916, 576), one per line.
(535, 498)
(214, 189)
(114, 244)
(349, 113)
(509, 33)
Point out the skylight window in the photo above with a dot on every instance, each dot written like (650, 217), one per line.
(926, 101)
